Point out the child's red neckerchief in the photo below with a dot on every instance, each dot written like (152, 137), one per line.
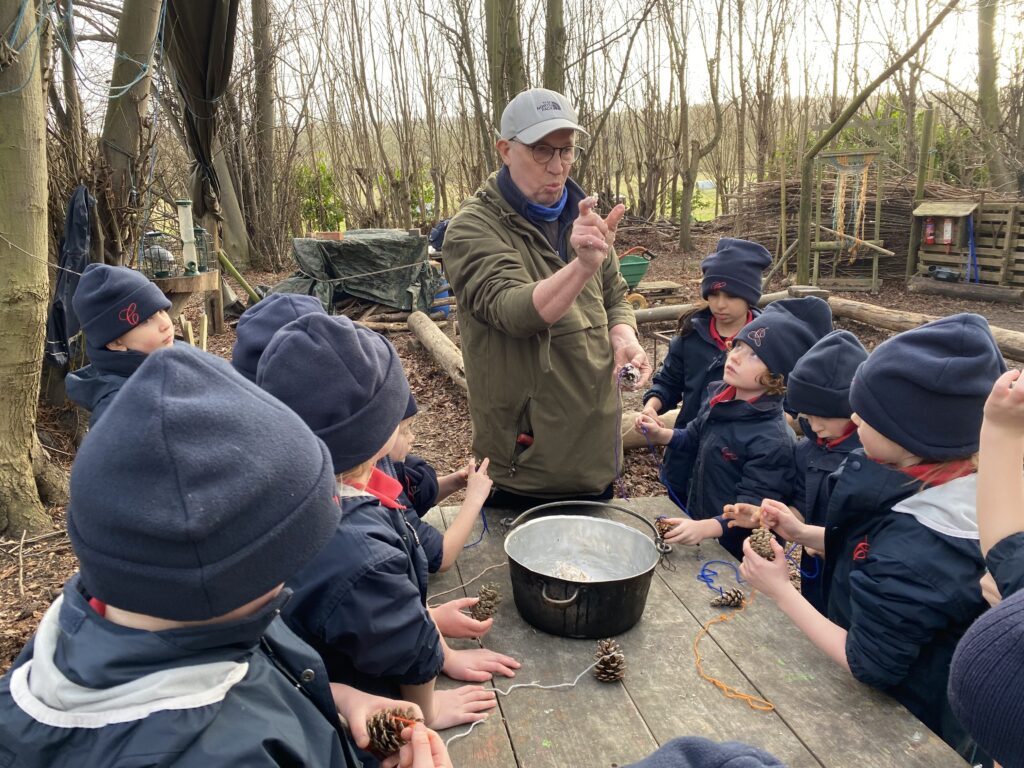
(722, 342)
(382, 487)
(99, 606)
(833, 442)
(950, 471)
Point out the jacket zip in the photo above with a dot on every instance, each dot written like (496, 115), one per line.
(516, 448)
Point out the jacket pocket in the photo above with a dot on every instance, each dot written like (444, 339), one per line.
(522, 437)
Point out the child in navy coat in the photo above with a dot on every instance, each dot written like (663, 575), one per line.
(362, 601)
(987, 673)
(167, 647)
(696, 357)
(818, 390)
(739, 448)
(902, 558)
(422, 489)
(124, 318)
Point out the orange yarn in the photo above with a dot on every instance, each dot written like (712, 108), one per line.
(761, 705)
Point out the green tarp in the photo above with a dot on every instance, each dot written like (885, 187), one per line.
(386, 266)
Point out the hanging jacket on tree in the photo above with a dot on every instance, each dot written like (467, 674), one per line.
(815, 463)
(87, 692)
(542, 396)
(733, 452)
(902, 568)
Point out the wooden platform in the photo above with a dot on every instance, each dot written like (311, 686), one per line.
(822, 716)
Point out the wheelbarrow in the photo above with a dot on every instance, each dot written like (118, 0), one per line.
(633, 265)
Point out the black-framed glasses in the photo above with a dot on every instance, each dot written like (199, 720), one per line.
(542, 153)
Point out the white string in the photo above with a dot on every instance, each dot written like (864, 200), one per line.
(511, 688)
(466, 584)
(33, 256)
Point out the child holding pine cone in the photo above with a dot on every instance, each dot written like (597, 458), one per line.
(739, 448)
(902, 558)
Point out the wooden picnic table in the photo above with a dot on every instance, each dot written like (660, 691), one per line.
(822, 716)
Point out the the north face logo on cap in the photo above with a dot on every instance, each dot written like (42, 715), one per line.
(757, 336)
(547, 106)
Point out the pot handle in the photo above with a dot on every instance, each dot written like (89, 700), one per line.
(659, 542)
(559, 603)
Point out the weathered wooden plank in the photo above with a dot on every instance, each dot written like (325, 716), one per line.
(842, 722)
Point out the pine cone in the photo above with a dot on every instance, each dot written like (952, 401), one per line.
(611, 662)
(761, 542)
(487, 606)
(732, 598)
(663, 526)
(385, 730)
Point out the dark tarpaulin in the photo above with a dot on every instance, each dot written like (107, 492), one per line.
(62, 326)
(385, 266)
(199, 43)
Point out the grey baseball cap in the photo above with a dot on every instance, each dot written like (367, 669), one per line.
(535, 113)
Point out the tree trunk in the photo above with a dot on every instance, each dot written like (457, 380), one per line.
(264, 55)
(504, 54)
(554, 46)
(121, 145)
(440, 347)
(24, 284)
(988, 94)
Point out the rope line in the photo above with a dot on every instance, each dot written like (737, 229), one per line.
(465, 584)
(730, 692)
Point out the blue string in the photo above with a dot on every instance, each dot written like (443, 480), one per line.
(803, 574)
(707, 575)
(485, 530)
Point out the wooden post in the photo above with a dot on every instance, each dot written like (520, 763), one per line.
(922, 173)
(1011, 242)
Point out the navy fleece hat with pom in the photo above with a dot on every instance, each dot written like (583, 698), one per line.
(197, 492)
(925, 389)
(986, 679)
(820, 382)
(259, 323)
(345, 381)
(735, 267)
(786, 329)
(110, 301)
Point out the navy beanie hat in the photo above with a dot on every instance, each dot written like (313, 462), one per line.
(197, 492)
(345, 381)
(986, 679)
(925, 389)
(820, 382)
(735, 267)
(786, 329)
(259, 323)
(110, 301)
(697, 752)
(411, 409)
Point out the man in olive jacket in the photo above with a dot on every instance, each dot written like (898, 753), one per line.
(544, 321)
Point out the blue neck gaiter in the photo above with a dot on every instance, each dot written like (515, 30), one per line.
(538, 212)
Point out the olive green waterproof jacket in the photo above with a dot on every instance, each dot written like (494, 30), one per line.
(551, 383)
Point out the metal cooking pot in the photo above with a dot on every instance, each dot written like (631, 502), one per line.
(579, 576)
